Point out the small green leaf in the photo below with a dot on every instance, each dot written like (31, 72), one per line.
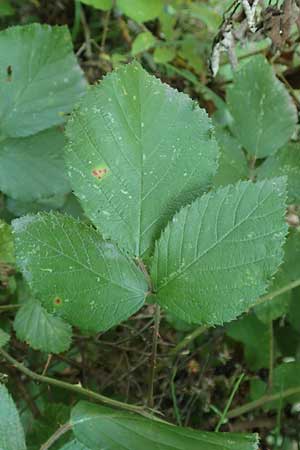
(255, 336)
(75, 273)
(217, 255)
(101, 427)
(138, 151)
(143, 42)
(42, 330)
(288, 272)
(141, 10)
(232, 163)
(285, 162)
(164, 54)
(286, 376)
(4, 338)
(264, 114)
(7, 250)
(105, 5)
(11, 431)
(40, 78)
(33, 168)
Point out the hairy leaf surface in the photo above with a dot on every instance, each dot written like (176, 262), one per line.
(42, 330)
(75, 273)
(40, 78)
(32, 168)
(215, 258)
(11, 431)
(98, 426)
(138, 150)
(264, 113)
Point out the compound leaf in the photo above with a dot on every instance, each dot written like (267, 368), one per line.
(42, 330)
(141, 10)
(40, 78)
(264, 114)
(11, 431)
(33, 168)
(215, 258)
(76, 274)
(286, 162)
(99, 426)
(138, 150)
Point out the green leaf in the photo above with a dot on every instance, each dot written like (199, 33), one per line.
(285, 376)
(142, 42)
(19, 208)
(264, 114)
(141, 10)
(288, 272)
(164, 54)
(98, 426)
(285, 162)
(41, 330)
(138, 151)
(7, 250)
(232, 163)
(6, 9)
(75, 273)
(40, 78)
(4, 338)
(33, 168)
(294, 310)
(255, 336)
(105, 5)
(215, 258)
(11, 431)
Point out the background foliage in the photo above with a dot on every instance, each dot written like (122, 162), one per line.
(75, 307)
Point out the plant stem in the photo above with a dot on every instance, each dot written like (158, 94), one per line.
(74, 387)
(228, 404)
(153, 356)
(58, 433)
(173, 393)
(4, 308)
(236, 412)
(271, 359)
(105, 30)
(188, 339)
(274, 294)
(200, 330)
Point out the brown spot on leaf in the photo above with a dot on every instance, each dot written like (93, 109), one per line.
(57, 301)
(99, 173)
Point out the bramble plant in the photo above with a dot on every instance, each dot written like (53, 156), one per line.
(176, 212)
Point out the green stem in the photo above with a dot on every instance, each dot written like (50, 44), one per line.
(271, 358)
(236, 412)
(74, 388)
(223, 417)
(58, 433)
(153, 356)
(200, 330)
(4, 308)
(188, 339)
